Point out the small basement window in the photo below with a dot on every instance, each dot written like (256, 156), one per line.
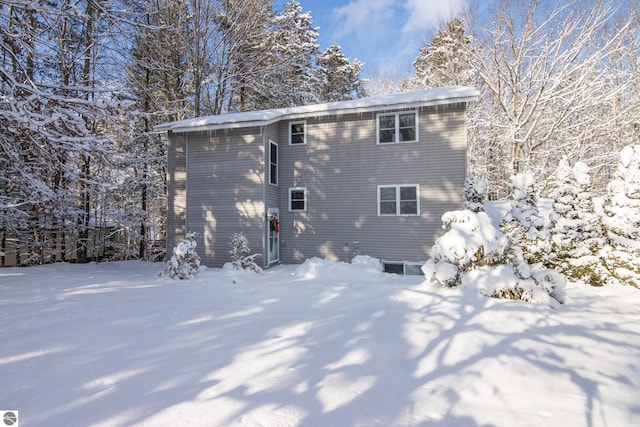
(405, 268)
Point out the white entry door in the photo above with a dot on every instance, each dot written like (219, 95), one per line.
(273, 225)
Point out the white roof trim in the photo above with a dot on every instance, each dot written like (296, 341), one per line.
(439, 96)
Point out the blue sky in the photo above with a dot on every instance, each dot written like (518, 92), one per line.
(385, 34)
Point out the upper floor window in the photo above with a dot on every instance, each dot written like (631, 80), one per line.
(298, 132)
(298, 199)
(397, 127)
(398, 200)
(273, 163)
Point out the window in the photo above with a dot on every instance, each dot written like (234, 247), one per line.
(393, 267)
(297, 133)
(398, 127)
(406, 268)
(298, 199)
(273, 163)
(396, 200)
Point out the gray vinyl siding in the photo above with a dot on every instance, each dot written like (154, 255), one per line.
(225, 172)
(176, 189)
(341, 167)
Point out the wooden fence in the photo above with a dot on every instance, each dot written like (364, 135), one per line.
(43, 247)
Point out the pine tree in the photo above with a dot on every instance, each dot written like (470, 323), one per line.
(242, 30)
(444, 61)
(185, 262)
(264, 51)
(339, 77)
(523, 224)
(475, 191)
(576, 234)
(473, 252)
(622, 218)
(294, 41)
(239, 250)
(280, 57)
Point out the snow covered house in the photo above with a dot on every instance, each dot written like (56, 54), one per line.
(371, 176)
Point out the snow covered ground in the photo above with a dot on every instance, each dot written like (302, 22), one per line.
(321, 344)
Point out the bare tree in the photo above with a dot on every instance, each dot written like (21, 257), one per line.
(549, 83)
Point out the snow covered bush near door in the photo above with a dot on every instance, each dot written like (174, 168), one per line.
(239, 251)
(185, 262)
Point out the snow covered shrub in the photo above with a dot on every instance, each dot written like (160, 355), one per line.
(473, 253)
(185, 262)
(471, 241)
(239, 245)
(523, 224)
(576, 235)
(475, 191)
(517, 282)
(621, 218)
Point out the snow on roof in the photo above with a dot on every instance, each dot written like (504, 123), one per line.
(439, 96)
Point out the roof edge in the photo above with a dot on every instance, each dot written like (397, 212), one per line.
(428, 97)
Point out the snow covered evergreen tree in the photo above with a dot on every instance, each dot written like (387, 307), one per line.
(293, 43)
(523, 224)
(621, 218)
(339, 77)
(576, 234)
(444, 61)
(275, 59)
(471, 241)
(473, 253)
(239, 251)
(475, 191)
(185, 262)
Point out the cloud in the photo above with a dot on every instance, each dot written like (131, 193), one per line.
(363, 16)
(424, 15)
(387, 34)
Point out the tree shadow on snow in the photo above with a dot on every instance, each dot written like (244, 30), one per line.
(307, 352)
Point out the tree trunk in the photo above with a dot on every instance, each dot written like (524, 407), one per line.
(84, 208)
(3, 246)
(515, 163)
(85, 158)
(143, 206)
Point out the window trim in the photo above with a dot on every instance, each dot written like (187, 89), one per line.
(397, 115)
(271, 178)
(398, 200)
(304, 135)
(304, 190)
